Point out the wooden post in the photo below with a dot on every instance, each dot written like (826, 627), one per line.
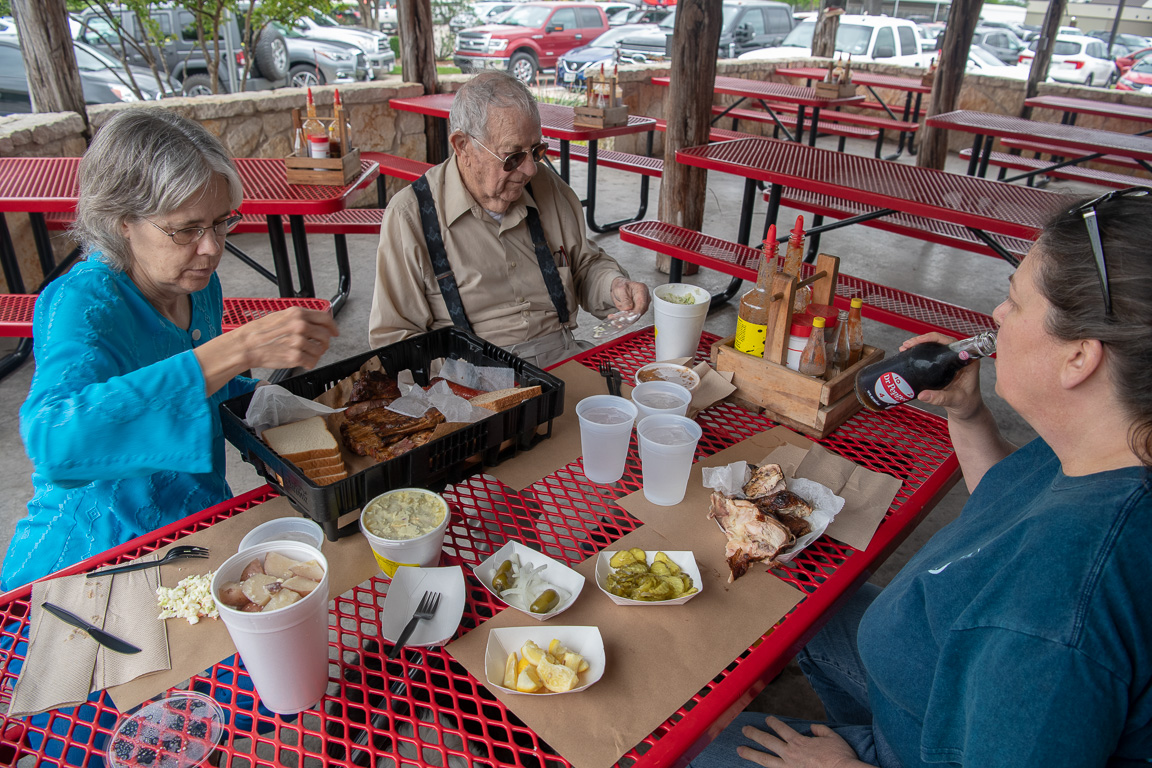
(962, 20)
(827, 25)
(418, 65)
(1043, 59)
(688, 112)
(46, 46)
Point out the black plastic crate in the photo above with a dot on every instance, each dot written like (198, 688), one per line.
(433, 465)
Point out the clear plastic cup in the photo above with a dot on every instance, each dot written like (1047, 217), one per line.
(667, 445)
(678, 325)
(653, 398)
(605, 432)
(286, 650)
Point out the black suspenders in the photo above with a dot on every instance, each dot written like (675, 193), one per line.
(443, 270)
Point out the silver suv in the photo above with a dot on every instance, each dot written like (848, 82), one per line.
(745, 26)
(177, 53)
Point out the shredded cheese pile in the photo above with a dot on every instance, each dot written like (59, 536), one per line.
(190, 599)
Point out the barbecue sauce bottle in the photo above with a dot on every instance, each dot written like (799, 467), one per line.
(793, 258)
(752, 318)
(925, 366)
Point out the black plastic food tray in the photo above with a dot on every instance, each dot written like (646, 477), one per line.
(433, 465)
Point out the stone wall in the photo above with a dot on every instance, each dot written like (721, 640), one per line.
(250, 124)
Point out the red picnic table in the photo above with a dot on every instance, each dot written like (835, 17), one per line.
(977, 204)
(1071, 106)
(40, 185)
(557, 121)
(1094, 144)
(426, 700)
(765, 93)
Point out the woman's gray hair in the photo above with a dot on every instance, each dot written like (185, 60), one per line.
(494, 88)
(1069, 280)
(143, 163)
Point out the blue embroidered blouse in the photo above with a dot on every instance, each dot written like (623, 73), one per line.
(116, 422)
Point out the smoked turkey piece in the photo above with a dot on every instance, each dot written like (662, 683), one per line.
(766, 479)
(753, 535)
(789, 509)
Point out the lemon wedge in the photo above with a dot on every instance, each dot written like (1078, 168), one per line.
(528, 681)
(574, 660)
(556, 649)
(556, 677)
(532, 652)
(510, 671)
(522, 665)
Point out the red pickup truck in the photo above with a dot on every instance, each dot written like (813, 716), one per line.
(531, 37)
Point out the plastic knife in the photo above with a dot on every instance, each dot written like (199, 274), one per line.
(108, 641)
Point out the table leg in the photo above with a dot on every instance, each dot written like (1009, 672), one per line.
(300, 246)
(744, 229)
(565, 160)
(915, 113)
(590, 202)
(343, 275)
(986, 156)
(43, 242)
(8, 261)
(811, 127)
(974, 160)
(280, 255)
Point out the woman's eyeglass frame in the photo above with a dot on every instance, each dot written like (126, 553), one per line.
(190, 235)
(512, 161)
(1088, 212)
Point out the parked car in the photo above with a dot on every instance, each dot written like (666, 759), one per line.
(571, 67)
(7, 25)
(1016, 29)
(931, 33)
(479, 14)
(982, 62)
(386, 15)
(649, 14)
(104, 80)
(1137, 78)
(1076, 59)
(1134, 42)
(529, 38)
(1124, 63)
(864, 38)
(321, 26)
(745, 25)
(1001, 43)
(179, 54)
(317, 62)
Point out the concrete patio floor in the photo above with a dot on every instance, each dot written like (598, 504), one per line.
(973, 280)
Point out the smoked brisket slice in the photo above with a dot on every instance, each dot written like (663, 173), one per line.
(374, 385)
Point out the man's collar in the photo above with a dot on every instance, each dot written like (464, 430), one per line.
(458, 200)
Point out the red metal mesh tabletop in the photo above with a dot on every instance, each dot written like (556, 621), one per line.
(1003, 209)
(769, 91)
(16, 310)
(1091, 107)
(38, 184)
(892, 82)
(1088, 140)
(429, 707)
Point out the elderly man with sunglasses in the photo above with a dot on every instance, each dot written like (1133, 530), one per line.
(492, 241)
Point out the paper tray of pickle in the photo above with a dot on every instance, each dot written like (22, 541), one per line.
(566, 582)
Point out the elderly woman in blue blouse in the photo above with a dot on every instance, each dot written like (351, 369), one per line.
(122, 420)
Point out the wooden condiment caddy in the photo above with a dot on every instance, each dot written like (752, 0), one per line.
(602, 108)
(835, 90)
(813, 406)
(329, 171)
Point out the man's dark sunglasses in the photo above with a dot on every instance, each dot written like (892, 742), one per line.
(513, 161)
(1088, 211)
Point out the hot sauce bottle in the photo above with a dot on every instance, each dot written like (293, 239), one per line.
(792, 260)
(814, 358)
(752, 319)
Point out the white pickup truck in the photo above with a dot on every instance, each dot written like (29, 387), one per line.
(866, 38)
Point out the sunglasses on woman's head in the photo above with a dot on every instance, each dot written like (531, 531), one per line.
(1088, 212)
(513, 161)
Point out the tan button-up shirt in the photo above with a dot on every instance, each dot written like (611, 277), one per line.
(494, 263)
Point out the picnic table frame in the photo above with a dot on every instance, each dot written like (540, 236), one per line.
(446, 709)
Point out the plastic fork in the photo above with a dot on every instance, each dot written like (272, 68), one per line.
(176, 553)
(425, 610)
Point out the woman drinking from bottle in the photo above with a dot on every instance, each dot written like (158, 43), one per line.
(1021, 634)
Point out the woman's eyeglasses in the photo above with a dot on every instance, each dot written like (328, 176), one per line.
(1088, 211)
(513, 161)
(192, 234)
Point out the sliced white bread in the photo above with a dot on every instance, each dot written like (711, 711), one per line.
(329, 479)
(312, 466)
(303, 440)
(503, 399)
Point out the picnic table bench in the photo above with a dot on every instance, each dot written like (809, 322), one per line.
(891, 306)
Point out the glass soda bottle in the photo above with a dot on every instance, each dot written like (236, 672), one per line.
(855, 332)
(930, 365)
(752, 318)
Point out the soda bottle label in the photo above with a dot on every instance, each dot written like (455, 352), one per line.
(892, 388)
(750, 338)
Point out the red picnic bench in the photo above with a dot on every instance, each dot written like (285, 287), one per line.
(900, 309)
